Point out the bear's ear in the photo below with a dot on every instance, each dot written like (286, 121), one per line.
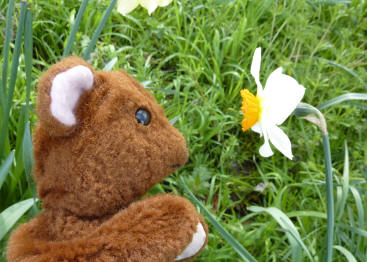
(60, 92)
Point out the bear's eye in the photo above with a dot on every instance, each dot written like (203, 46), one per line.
(142, 116)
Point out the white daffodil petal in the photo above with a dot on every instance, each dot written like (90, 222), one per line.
(280, 140)
(150, 5)
(164, 2)
(255, 69)
(256, 63)
(265, 149)
(257, 128)
(126, 6)
(281, 96)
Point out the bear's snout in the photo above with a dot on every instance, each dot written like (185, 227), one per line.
(183, 161)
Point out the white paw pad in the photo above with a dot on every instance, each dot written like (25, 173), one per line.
(198, 240)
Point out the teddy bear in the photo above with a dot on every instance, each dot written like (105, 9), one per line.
(101, 142)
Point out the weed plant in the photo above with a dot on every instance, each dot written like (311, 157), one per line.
(195, 57)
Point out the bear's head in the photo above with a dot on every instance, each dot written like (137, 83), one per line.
(101, 141)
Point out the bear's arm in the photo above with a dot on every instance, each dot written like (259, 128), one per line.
(158, 228)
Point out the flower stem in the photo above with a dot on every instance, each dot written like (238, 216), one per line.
(314, 115)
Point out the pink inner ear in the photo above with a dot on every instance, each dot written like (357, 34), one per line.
(66, 89)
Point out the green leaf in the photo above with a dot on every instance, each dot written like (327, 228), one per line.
(328, 2)
(29, 161)
(12, 214)
(6, 48)
(359, 204)
(290, 230)
(346, 253)
(174, 120)
(22, 121)
(5, 167)
(329, 198)
(168, 91)
(75, 28)
(308, 213)
(356, 230)
(342, 98)
(227, 236)
(349, 71)
(28, 53)
(340, 207)
(13, 77)
(360, 106)
(28, 151)
(98, 31)
(360, 211)
(220, 2)
(110, 64)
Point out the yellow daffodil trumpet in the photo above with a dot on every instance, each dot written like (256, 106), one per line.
(251, 109)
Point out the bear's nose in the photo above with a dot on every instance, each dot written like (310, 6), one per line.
(176, 165)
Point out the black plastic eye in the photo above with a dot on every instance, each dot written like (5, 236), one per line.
(143, 116)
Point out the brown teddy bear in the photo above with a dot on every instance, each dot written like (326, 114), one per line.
(101, 143)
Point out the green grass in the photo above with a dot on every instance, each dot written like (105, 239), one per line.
(195, 57)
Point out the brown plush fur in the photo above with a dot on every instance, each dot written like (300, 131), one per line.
(90, 176)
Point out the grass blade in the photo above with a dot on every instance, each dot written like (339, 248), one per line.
(5, 167)
(308, 213)
(174, 120)
(346, 253)
(360, 106)
(24, 112)
(349, 71)
(18, 171)
(328, 2)
(360, 211)
(9, 16)
(75, 28)
(13, 77)
(12, 214)
(227, 236)
(28, 159)
(342, 98)
(97, 32)
(291, 231)
(15, 57)
(329, 198)
(28, 151)
(110, 64)
(359, 204)
(28, 53)
(356, 230)
(345, 185)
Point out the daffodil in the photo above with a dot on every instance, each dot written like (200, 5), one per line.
(126, 6)
(270, 107)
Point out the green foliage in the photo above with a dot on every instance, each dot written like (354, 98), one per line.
(195, 57)
(290, 230)
(11, 215)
